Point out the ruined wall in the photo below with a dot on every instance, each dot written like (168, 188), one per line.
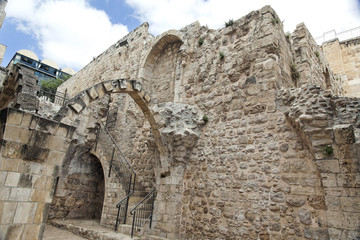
(79, 192)
(311, 63)
(330, 130)
(133, 135)
(32, 148)
(344, 61)
(121, 60)
(252, 171)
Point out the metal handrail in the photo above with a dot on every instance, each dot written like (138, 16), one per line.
(137, 222)
(114, 142)
(126, 198)
(125, 171)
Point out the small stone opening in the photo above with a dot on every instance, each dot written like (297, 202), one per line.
(79, 193)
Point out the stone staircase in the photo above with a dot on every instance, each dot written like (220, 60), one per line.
(135, 193)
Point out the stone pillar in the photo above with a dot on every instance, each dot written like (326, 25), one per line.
(32, 150)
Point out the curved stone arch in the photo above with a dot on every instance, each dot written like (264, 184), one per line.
(146, 68)
(68, 113)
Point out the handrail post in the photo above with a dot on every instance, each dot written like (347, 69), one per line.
(111, 161)
(117, 219)
(133, 224)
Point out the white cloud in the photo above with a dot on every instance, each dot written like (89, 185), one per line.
(70, 32)
(318, 15)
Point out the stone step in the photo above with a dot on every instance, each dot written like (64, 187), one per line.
(91, 229)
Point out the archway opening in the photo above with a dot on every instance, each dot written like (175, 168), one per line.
(79, 191)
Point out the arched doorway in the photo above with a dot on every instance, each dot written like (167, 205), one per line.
(79, 191)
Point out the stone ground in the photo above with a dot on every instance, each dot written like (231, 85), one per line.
(54, 233)
(79, 230)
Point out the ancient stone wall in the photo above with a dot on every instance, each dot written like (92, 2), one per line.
(310, 62)
(121, 60)
(79, 192)
(344, 61)
(241, 158)
(32, 148)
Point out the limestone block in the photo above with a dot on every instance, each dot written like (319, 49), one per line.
(26, 120)
(108, 86)
(350, 204)
(4, 193)
(8, 211)
(25, 212)
(93, 93)
(12, 179)
(12, 132)
(343, 220)
(348, 180)
(34, 153)
(344, 134)
(328, 179)
(55, 157)
(19, 194)
(13, 232)
(14, 117)
(10, 164)
(33, 231)
(12, 150)
(40, 213)
(328, 166)
(58, 143)
(332, 203)
(38, 195)
(50, 170)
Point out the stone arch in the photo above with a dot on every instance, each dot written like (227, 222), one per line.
(160, 69)
(77, 104)
(80, 189)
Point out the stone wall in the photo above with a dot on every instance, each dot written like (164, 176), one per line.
(79, 192)
(32, 149)
(242, 159)
(344, 61)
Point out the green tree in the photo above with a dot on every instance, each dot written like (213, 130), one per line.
(49, 87)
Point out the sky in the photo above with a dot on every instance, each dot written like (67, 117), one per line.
(73, 32)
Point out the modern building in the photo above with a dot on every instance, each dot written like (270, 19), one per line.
(44, 69)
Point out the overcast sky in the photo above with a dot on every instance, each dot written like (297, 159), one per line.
(72, 32)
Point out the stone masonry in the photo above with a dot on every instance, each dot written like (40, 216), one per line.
(243, 131)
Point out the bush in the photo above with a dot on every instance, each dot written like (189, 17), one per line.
(229, 23)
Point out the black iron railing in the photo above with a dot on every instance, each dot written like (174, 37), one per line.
(122, 168)
(143, 212)
(52, 95)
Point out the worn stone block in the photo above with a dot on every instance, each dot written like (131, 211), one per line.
(14, 117)
(92, 93)
(34, 153)
(328, 166)
(58, 143)
(33, 231)
(25, 212)
(12, 132)
(26, 120)
(12, 179)
(39, 195)
(344, 134)
(328, 179)
(8, 211)
(10, 164)
(350, 204)
(55, 157)
(13, 232)
(4, 193)
(19, 194)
